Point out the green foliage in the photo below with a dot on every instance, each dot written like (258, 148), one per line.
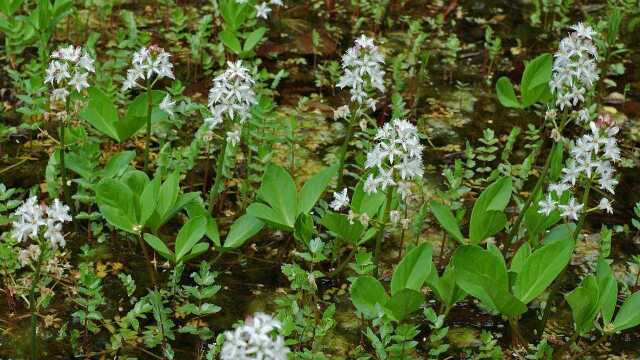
(371, 299)
(533, 86)
(102, 114)
(281, 203)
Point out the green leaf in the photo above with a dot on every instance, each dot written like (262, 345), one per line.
(413, 270)
(541, 268)
(556, 163)
(447, 220)
(148, 200)
(136, 117)
(244, 228)
(368, 296)
(196, 208)
(168, 194)
(363, 203)
(535, 79)
(608, 289)
(506, 94)
(445, 287)
(518, 260)
(628, 316)
(313, 189)
(279, 191)
(254, 38)
(403, 303)
(101, 113)
(340, 225)
(116, 203)
(189, 235)
(230, 39)
(559, 232)
(159, 246)
(483, 274)
(583, 301)
(487, 216)
(118, 164)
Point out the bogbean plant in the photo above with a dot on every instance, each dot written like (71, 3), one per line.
(509, 250)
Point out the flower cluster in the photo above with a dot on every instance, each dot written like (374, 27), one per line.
(575, 70)
(146, 63)
(255, 340)
(340, 200)
(69, 70)
(34, 219)
(362, 67)
(231, 95)
(592, 156)
(396, 157)
(263, 9)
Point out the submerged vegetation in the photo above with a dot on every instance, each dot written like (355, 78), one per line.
(319, 179)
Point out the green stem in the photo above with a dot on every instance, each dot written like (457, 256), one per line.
(583, 215)
(383, 222)
(147, 141)
(34, 310)
(249, 160)
(342, 154)
(216, 187)
(516, 335)
(150, 268)
(63, 168)
(553, 291)
(543, 177)
(344, 262)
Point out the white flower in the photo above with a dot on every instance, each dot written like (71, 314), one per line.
(370, 185)
(79, 81)
(58, 212)
(341, 113)
(276, 2)
(263, 10)
(167, 105)
(559, 188)
(605, 205)
(69, 70)
(145, 64)
(571, 209)
(394, 216)
(583, 31)
(340, 200)
(257, 339)
(547, 206)
(231, 95)
(396, 155)
(32, 218)
(233, 137)
(575, 70)
(362, 71)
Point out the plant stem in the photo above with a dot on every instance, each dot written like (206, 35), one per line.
(216, 187)
(343, 150)
(553, 291)
(150, 268)
(516, 335)
(383, 222)
(63, 168)
(338, 270)
(148, 137)
(34, 309)
(248, 161)
(516, 226)
(543, 177)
